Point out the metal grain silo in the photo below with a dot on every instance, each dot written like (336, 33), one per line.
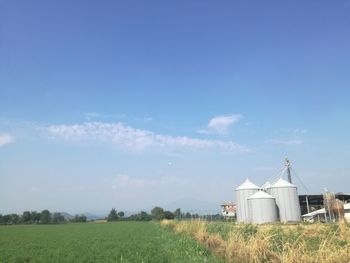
(287, 200)
(266, 185)
(262, 208)
(244, 191)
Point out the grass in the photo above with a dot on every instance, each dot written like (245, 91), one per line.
(324, 243)
(90, 242)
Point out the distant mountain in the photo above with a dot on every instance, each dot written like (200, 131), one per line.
(91, 216)
(66, 215)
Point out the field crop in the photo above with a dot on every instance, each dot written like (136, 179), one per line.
(325, 243)
(106, 242)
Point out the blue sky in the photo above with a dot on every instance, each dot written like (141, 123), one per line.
(131, 104)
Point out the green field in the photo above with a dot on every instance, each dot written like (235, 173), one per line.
(93, 242)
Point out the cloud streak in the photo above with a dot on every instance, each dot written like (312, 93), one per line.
(221, 124)
(286, 142)
(6, 138)
(134, 139)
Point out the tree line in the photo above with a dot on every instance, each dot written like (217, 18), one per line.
(158, 213)
(43, 217)
(46, 217)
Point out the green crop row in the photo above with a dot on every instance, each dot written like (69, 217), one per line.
(98, 242)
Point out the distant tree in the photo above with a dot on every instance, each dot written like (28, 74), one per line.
(82, 218)
(187, 215)
(177, 213)
(219, 217)
(1, 219)
(6, 219)
(157, 213)
(113, 215)
(35, 217)
(168, 215)
(79, 219)
(45, 217)
(13, 219)
(57, 218)
(26, 217)
(120, 214)
(143, 216)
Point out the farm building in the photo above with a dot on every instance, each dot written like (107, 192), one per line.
(228, 210)
(316, 208)
(278, 200)
(310, 203)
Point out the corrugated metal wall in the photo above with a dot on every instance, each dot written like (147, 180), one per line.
(262, 208)
(242, 193)
(287, 200)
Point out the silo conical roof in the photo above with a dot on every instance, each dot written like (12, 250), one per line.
(261, 195)
(266, 185)
(247, 185)
(282, 183)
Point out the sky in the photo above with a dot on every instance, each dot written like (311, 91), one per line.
(133, 104)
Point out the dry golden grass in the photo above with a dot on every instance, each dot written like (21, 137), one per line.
(272, 243)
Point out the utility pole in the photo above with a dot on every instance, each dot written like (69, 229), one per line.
(288, 170)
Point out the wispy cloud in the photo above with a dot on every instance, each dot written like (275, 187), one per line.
(221, 124)
(296, 131)
(6, 138)
(300, 131)
(286, 142)
(91, 115)
(134, 139)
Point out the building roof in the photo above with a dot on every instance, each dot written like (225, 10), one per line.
(315, 213)
(261, 195)
(282, 183)
(266, 185)
(227, 203)
(247, 185)
(318, 199)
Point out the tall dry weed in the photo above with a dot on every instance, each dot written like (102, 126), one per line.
(273, 243)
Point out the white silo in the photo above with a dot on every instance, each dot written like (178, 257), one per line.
(244, 191)
(287, 200)
(262, 208)
(266, 185)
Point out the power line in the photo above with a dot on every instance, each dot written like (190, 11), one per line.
(276, 175)
(294, 172)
